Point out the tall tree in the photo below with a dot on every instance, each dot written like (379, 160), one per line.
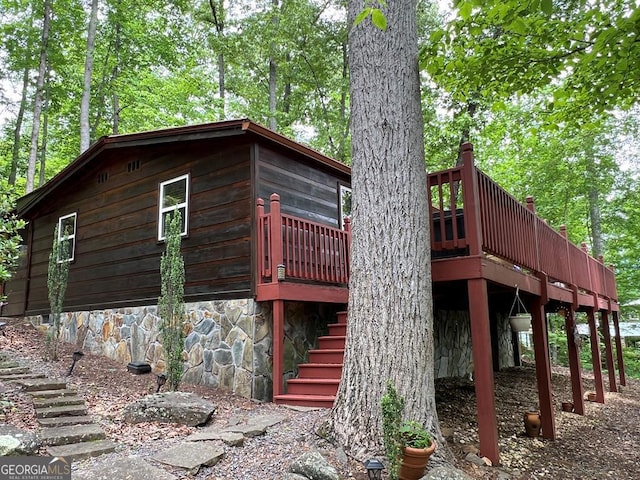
(390, 322)
(85, 129)
(38, 101)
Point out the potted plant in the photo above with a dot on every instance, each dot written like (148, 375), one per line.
(408, 445)
(417, 446)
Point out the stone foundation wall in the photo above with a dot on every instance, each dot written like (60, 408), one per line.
(228, 343)
(452, 343)
(505, 342)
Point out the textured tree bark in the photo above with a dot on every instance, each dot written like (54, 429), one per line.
(85, 139)
(37, 104)
(15, 156)
(273, 105)
(390, 322)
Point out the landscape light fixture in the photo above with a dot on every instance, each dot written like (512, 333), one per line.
(281, 272)
(161, 379)
(77, 355)
(374, 468)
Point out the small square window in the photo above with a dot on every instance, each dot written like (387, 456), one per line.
(174, 195)
(345, 204)
(67, 235)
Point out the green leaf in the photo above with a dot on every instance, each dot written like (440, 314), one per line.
(362, 15)
(465, 10)
(546, 6)
(378, 19)
(518, 26)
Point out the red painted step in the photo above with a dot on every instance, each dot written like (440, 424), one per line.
(342, 317)
(336, 329)
(325, 401)
(326, 356)
(331, 341)
(320, 370)
(312, 386)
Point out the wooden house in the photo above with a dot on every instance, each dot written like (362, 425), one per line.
(264, 221)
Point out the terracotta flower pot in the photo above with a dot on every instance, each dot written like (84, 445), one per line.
(532, 424)
(591, 396)
(414, 461)
(567, 407)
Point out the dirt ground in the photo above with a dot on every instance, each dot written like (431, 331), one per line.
(601, 444)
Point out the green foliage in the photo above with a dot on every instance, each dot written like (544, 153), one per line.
(392, 407)
(10, 238)
(398, 433)
(414, 435)
(499, 49)
(372, 9)
(171, 304)
(58, 274)
(631, 357)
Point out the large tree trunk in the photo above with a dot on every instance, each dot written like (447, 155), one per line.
(273, 91)
(85, 130)
(42, 154)
(217, 12)
(37, 104)
(593, 198)
(390, 322)
(15, 157)
(344, 114)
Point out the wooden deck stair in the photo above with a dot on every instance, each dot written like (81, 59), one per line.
(318, 380)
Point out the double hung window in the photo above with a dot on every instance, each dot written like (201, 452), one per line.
(174, 197)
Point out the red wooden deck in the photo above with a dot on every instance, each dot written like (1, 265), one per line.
(480, 234)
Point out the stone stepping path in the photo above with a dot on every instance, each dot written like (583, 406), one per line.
(67, 430)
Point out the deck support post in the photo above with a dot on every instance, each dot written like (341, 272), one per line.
(277, 250)
(596, 360)
(278, 347)
(616, 325)
(483, 369)
(543, 368)
(574, 361)
(606, 335)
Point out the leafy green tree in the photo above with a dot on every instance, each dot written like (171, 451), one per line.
(588, 52)
(10, 239)
(170, 303)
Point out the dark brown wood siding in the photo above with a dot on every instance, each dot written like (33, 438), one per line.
(305, 190)
(16, 289)
(117, 257)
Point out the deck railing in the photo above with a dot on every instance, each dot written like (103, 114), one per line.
(307, 250)
(470, 214)
(509, 230)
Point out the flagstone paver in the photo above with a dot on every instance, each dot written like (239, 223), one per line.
(191, 455)
(132, 468)
(57, 401)
(78, 451)
(70, 434)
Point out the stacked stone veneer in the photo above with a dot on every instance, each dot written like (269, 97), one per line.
(452, 343)
(228, 343)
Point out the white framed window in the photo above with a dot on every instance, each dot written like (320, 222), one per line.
(67, 235)
(174, 195)
(345, 203)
